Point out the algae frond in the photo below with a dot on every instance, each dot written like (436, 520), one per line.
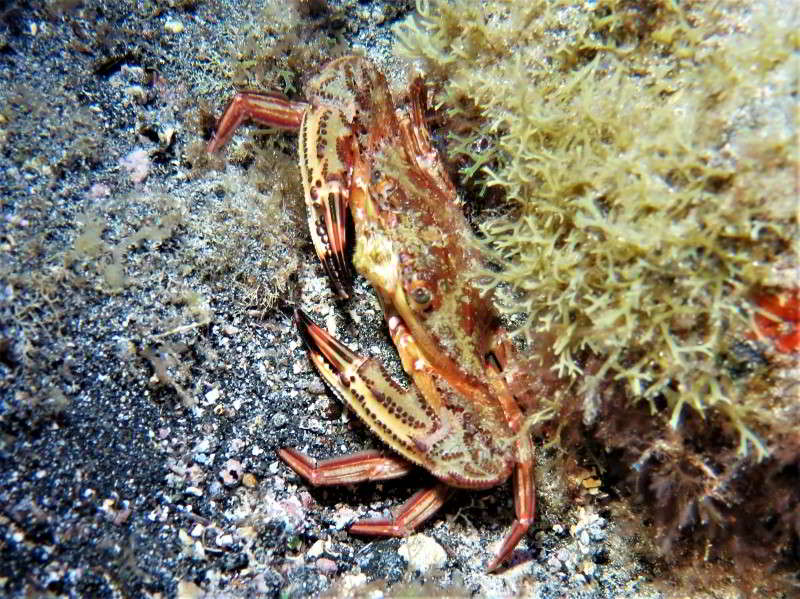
(647, 155)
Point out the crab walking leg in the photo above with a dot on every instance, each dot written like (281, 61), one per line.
(422, 505)
(524, 490)
(353, 468)
(524, 502)
(271, 109)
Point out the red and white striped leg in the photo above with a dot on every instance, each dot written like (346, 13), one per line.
(266, 108)
(352, 468)
(422, 505)
(524, 502)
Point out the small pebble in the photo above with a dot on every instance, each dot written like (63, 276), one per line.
(588, 567)
(598, 534)
(300, 366)
(316, 388)
(554, 564)
(422, 553)
(231, 472)
(136, 93)
(326, 565)
(316, 549)
(198, 551)
(189, 590)
(591, 483)
(173, 26)
(133, 74)
(350, 582)
(184, 537)
(579, 579)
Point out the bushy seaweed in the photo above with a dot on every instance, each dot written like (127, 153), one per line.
(647, 155)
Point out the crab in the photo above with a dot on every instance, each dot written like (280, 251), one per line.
(460, 420)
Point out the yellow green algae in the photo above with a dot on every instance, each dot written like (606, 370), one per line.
(646, 153)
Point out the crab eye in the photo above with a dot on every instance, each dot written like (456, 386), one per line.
(421, 296)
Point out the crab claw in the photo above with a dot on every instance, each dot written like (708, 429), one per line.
(400, 417)
(319, 343)
(328, 227)
(328, 151)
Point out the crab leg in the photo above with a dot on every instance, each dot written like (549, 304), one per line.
(414, 362)
(371, 466)
(271, 109)
(353, 468)
(524, 504)
(524, 491)
(421, 506)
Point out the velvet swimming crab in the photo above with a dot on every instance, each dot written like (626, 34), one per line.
(460, 420)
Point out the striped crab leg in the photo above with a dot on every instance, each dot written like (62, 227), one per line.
(326, 151)
(272, 109)
(523, 483)
(353, 468)
(408, 517)
(371, 466)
